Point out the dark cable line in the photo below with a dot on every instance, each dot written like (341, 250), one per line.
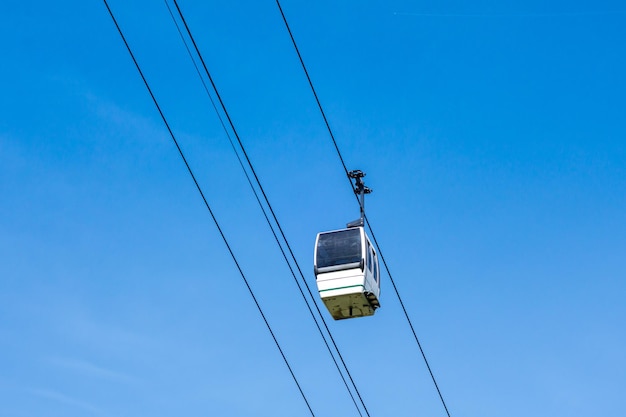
(256, 195)
(190, 35)
(206, 89)
(332, 136)
(432, 376)
(317, 100)
(193, 177)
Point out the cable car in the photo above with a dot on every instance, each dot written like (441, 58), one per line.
(347, 273)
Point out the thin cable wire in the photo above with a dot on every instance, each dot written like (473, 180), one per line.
(332, 136)
(190, 35)
(256, 195)
(380, 252)
(193, 177)
(317, 100)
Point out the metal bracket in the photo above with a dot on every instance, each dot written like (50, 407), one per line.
(360, 189)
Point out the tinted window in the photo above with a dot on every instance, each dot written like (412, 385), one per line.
(339, 248)
(375, 268)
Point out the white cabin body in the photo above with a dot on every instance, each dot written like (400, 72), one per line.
(347, 273)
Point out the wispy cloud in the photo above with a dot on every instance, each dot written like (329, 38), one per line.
(67, 400)
(77, 322)
(90, 369)
(513, 15)
(127, 122)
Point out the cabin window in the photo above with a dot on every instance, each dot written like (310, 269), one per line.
(375, 268)
(339, 248)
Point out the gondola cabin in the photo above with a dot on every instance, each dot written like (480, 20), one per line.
(347, 273)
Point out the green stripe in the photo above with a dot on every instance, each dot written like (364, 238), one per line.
(341, 288)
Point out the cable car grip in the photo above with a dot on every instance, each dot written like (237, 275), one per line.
(360, 189)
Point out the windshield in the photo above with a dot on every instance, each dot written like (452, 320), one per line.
(339, 248)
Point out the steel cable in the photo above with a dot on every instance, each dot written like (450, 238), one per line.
(182, 155)
(266, 199)
(332, 136)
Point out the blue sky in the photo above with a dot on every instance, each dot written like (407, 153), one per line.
(493, 137)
